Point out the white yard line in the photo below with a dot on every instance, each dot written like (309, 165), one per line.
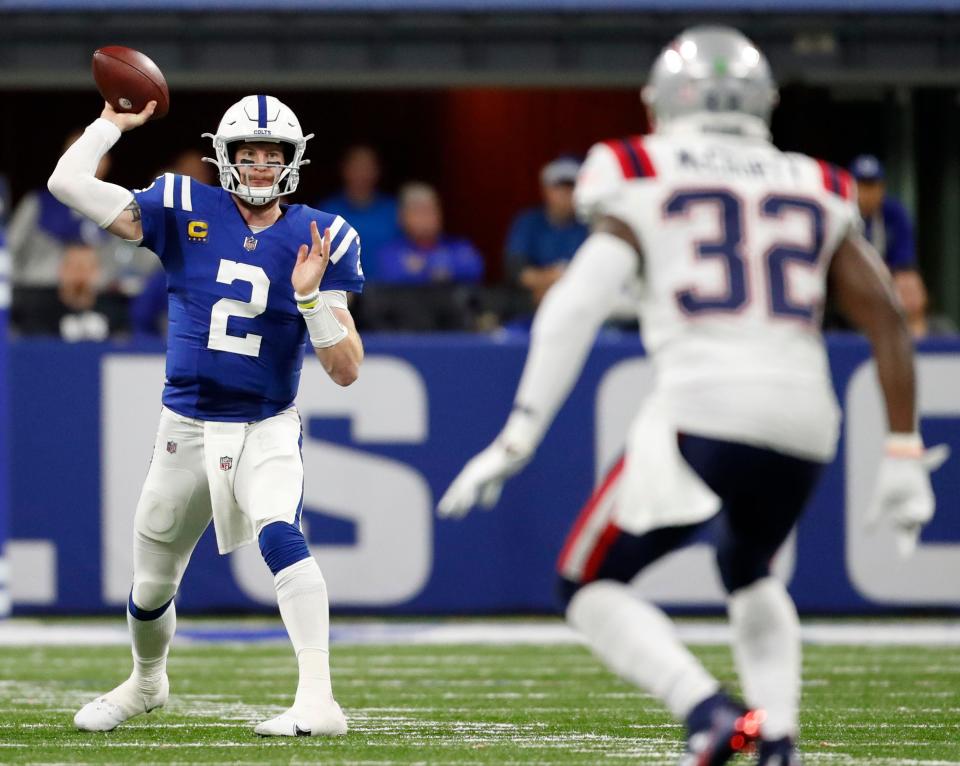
(36, 632)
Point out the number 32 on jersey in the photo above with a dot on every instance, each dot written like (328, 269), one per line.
(727, 248)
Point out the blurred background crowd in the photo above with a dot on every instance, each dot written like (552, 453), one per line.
(73, 281)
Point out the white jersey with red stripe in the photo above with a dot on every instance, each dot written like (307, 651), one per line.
(736, 240)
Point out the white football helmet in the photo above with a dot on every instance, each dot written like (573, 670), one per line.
(259, 119)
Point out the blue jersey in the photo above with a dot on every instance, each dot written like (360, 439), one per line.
(534, 240)
(235, 340)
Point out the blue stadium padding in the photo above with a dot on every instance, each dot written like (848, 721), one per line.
(4, 426)
(501, 560)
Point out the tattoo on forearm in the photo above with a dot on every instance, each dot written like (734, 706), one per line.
(134, 208)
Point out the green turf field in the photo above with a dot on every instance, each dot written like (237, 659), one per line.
(461, 704)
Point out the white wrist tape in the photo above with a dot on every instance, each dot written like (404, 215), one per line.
(904, 445)
(75, 184)
(323, 326)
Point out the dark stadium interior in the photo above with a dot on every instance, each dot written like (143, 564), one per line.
(482, 147)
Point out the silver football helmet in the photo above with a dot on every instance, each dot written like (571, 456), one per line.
(713, 77)
(259, 119)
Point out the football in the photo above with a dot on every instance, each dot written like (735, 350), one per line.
(128, 80)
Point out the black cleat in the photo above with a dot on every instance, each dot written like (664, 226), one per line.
(778, 752)
(719, 729)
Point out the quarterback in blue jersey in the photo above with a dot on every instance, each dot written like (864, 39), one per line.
(249, 280)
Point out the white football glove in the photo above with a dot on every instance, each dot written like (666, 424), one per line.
(903, 493)
(481, 480)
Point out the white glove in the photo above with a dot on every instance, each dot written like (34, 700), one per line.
(903, 493)
(481, 479)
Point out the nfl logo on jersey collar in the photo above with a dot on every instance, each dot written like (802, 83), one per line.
(250, 244)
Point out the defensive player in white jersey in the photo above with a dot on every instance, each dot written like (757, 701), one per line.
(245, 292)
(734, 244)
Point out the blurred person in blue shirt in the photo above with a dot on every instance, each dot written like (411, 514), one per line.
(886, 222)
(887, 225)
(542, 240)
(372, 214)
(423, 254)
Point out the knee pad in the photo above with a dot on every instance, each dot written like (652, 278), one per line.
(149, 600)
(163, 502)
(282, 544)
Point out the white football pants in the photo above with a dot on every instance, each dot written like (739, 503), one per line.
(175, 502)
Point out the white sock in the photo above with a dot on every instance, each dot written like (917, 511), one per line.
(766, 647)
(637, 642)
(150, 643)
(302, 596)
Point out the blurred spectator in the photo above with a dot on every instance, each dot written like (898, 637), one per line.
(886, 223)
(913, 297)
(75, 310)
(888, 228)
(372, 214)
(79, 272)
(42, 228)
(542, 240)
(423, 254)
(190, 163)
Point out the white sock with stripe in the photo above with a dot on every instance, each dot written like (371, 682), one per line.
(638, 643)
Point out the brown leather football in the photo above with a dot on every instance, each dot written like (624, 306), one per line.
(128, 80)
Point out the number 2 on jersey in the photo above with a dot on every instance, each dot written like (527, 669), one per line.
(223, 309)
(728, 248)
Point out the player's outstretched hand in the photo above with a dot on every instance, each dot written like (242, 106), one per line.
(127, 120)
(903, 495)
(311, 261)
(481, 480)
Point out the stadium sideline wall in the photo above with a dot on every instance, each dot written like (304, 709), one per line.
(379, 454)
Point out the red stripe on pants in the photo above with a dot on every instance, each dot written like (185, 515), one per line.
(611, 533)
(589, 509)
